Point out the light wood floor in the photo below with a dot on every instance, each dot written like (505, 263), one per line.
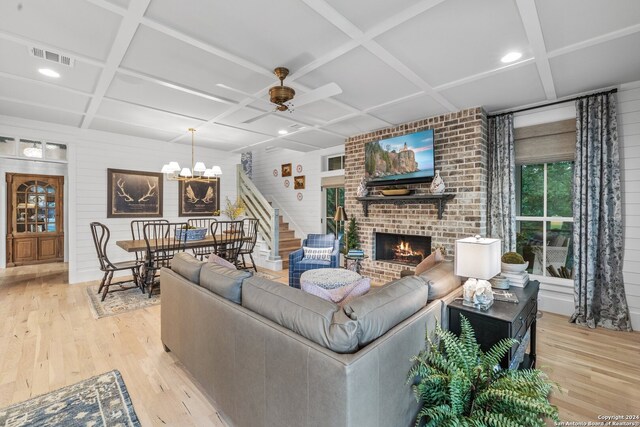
(49, 339)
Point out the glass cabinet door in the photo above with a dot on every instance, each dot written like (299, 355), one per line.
(36, 207)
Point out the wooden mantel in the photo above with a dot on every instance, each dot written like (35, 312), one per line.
(438, 199)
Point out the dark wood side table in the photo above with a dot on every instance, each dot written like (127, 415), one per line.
(502, 320)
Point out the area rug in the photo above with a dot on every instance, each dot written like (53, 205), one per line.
(119, 302)
(99, 401)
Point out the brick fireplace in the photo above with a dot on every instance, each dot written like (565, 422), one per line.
(404, 249)
(460, 155)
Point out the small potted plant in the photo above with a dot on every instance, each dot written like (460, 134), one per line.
(458, 384)
(512, 262)
(191, 232)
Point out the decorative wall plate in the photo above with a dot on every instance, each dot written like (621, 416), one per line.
(286, 183)
(299, 196)
(275, 172)
(299, 168)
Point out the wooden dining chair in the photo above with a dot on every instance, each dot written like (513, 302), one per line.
(137, 227)
(162, 245)
(204, 251)
(101, 235)
(250, 230)
(227, 239)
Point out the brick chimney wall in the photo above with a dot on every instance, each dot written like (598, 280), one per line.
(460, 143)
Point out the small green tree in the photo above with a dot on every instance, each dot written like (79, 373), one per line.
(352, 235)
(460, 385)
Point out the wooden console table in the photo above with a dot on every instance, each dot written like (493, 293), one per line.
(502, 320)
(440, 200)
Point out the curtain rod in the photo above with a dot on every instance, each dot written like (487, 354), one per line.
(615, 90)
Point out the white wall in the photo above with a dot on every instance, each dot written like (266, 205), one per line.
(90, 154)
(556, 295)
(629, 134)
(306, 214)
(28, 167)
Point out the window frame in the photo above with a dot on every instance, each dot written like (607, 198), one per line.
(545, 219)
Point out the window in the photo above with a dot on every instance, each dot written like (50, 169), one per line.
(544, 198)
(335, 163)
(334, 197)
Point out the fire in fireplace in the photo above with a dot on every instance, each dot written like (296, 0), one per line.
(402, 248)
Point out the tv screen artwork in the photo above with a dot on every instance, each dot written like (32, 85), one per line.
(400, 160)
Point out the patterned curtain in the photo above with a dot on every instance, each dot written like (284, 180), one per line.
(597, 210)
(501, 187)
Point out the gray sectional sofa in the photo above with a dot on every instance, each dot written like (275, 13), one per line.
(271, 355)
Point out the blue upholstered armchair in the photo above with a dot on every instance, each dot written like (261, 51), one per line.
(298, 265)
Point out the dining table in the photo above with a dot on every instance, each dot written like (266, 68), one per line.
(141, 245)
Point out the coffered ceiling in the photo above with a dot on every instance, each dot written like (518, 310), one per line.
(153, 68)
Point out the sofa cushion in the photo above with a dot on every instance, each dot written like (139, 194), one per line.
(187, 266)
(313, 263)
(314, 318)
(221, 261)
(429, 262)
(383, 308)
(441, 280)
(223, 281)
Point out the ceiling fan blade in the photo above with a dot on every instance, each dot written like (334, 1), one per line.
(326, 91)
(256, 118)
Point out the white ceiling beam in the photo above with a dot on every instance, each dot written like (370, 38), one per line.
(37, 104)
(401, 17)
(623, 32)
(484, 74)
(45, 84)
(111, 7)
(159, 110)
(123, 39)
(531, 22)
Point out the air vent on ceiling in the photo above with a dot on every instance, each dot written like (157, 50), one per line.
(51, 56)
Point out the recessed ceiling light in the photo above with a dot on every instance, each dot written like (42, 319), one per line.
(510, 57)
(49, 72)
(283, 132)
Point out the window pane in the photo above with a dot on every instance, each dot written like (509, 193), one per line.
(331, 226)
(559, 261)
(340, 196)
(56, 151)
(531, 190)
(331, 202)
(529, 241)
(560, 189)
(335, 163)
(28, 148)
(7, 146)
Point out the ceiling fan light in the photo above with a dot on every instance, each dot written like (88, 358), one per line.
(281, 94)
(199, 167)
(185, 172)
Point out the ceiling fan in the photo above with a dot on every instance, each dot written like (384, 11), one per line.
(281, 96)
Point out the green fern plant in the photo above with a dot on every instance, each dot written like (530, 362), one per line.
(460, 385)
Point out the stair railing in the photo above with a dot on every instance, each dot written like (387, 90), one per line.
(258, 207)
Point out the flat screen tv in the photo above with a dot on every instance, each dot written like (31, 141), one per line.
(405, 159)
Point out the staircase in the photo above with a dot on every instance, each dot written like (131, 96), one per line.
(288, 242)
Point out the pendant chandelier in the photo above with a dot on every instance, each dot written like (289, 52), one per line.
(198, 171)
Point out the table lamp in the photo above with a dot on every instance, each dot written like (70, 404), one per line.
(341, 216)
(478, 259)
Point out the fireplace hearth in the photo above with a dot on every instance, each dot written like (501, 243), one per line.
(401, 248)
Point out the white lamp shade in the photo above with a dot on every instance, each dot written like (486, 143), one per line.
(174, 166)
(166, 169)
(216, 171)
(478, 258)
(208, 173)
(186, 172)
(199, 167)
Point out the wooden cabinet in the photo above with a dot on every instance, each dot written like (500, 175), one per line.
(35, 228)
(504, 320)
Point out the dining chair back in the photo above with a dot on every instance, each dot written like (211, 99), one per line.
(163, 241)
(250, 230)
(227, 239)
(204, 251)
(101, 235)
(137, 227)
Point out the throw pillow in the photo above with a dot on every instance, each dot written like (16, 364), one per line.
(323, 254)
(221, 261)
(429, 262)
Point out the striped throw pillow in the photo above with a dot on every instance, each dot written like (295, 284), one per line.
(323, 254)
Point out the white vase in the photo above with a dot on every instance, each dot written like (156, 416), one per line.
(437, 185)
(362, 190)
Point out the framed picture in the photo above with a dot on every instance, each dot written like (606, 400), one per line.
(199, 198)
(133, 194)
(286, 169)
(298, 182)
